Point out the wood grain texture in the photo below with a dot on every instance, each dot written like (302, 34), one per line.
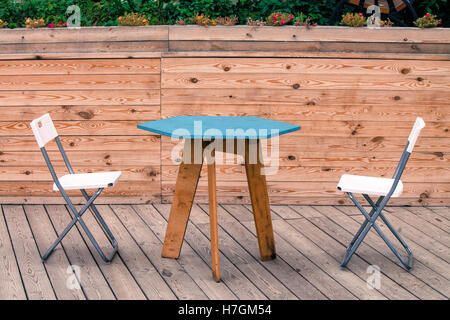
(310, 243)
(81, 67)
(199, 80)
(92, 280)
(321, 33)
(73, 112)
(307, 46)
(305, 66)
(257, 186)
(302, 97)
(213, 221)
(70, 98)
(184, 193)
(79, 82)
(44, 235)
(312, 111)
(84, 47)
(92, 34)
(355, 93)
(33, 271)
(9, 272)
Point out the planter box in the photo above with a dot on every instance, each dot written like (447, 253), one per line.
(354, 91)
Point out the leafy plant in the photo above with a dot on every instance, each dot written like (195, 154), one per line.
(35, 23)
(226, 21)
(203, 20)
(256, 23)
(387, 23)
(354, 20)
(106, 12)
(279, 19)
(303, 21)
(132, 19)
(428, 21)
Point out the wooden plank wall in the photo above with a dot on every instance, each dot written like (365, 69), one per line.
(95, 103)
(355, 94)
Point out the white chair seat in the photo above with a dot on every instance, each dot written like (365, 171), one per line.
(88, 180)
(368, 185)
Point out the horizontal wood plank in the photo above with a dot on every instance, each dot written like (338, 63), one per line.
(81, 67)
(84, 143)
(312, 111)
(316, 174)
(313, 189)
(98, 97)
(200, 80)
(304, 46)
(84, 47)
(94, 112)
(77, 128)
(293, 33)
(79, 82)
(91, 34)
(302, 97)
(44, 188)
(105, 159)
(30, 174)
(301, 66)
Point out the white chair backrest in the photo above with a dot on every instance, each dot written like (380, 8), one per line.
(43, 130)
(418, 126)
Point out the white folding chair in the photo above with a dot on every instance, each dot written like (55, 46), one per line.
(384, 188)
(44, 131)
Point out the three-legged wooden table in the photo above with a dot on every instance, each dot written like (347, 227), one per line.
(246, 134)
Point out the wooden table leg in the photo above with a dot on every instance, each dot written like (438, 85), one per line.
(186, 185)
(213, 223)
(260, 203)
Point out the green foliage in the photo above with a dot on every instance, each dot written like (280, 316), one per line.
(354, 20)
(427, 21)
(106, 12)
(280, 19)
(441, 8)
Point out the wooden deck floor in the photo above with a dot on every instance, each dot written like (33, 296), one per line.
(310, 243)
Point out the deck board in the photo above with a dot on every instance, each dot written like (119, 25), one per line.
(310, 242)
(34, 275)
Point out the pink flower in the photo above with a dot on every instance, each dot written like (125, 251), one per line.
(283, 21)
(51, 26)
(279, 14)
(66, 24)
(291, 17)
(61, 22)
(314, 24)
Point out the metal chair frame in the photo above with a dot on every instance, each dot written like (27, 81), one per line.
(77, 215)
(377, 208)
(379, 205)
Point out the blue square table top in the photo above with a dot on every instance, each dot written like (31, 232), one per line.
(218, 127)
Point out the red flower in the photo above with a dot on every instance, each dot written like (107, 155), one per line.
(314, 24)
(283, 21)
(51, 26)
(428, 14)
(360, 15)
